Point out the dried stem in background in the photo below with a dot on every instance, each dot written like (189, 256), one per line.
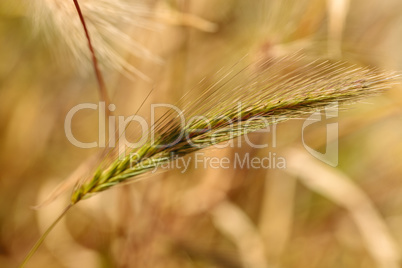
(99, 78)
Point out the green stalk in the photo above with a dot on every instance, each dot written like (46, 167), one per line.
(43, 237)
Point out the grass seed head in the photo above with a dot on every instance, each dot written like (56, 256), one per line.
(241, 102)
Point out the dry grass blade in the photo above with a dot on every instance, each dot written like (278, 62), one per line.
(340, 189)
(240, 103)
(237, 226)
(338, 10)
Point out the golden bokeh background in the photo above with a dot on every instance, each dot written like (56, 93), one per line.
(307, 215)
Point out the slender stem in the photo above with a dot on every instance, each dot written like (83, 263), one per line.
(43, 237)
(99, 77)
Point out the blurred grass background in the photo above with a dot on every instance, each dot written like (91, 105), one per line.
(309, 215)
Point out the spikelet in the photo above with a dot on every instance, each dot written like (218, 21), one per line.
(110, 25)
(270, 91)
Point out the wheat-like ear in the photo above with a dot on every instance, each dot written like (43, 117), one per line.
(108, 25)
(268, 92)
